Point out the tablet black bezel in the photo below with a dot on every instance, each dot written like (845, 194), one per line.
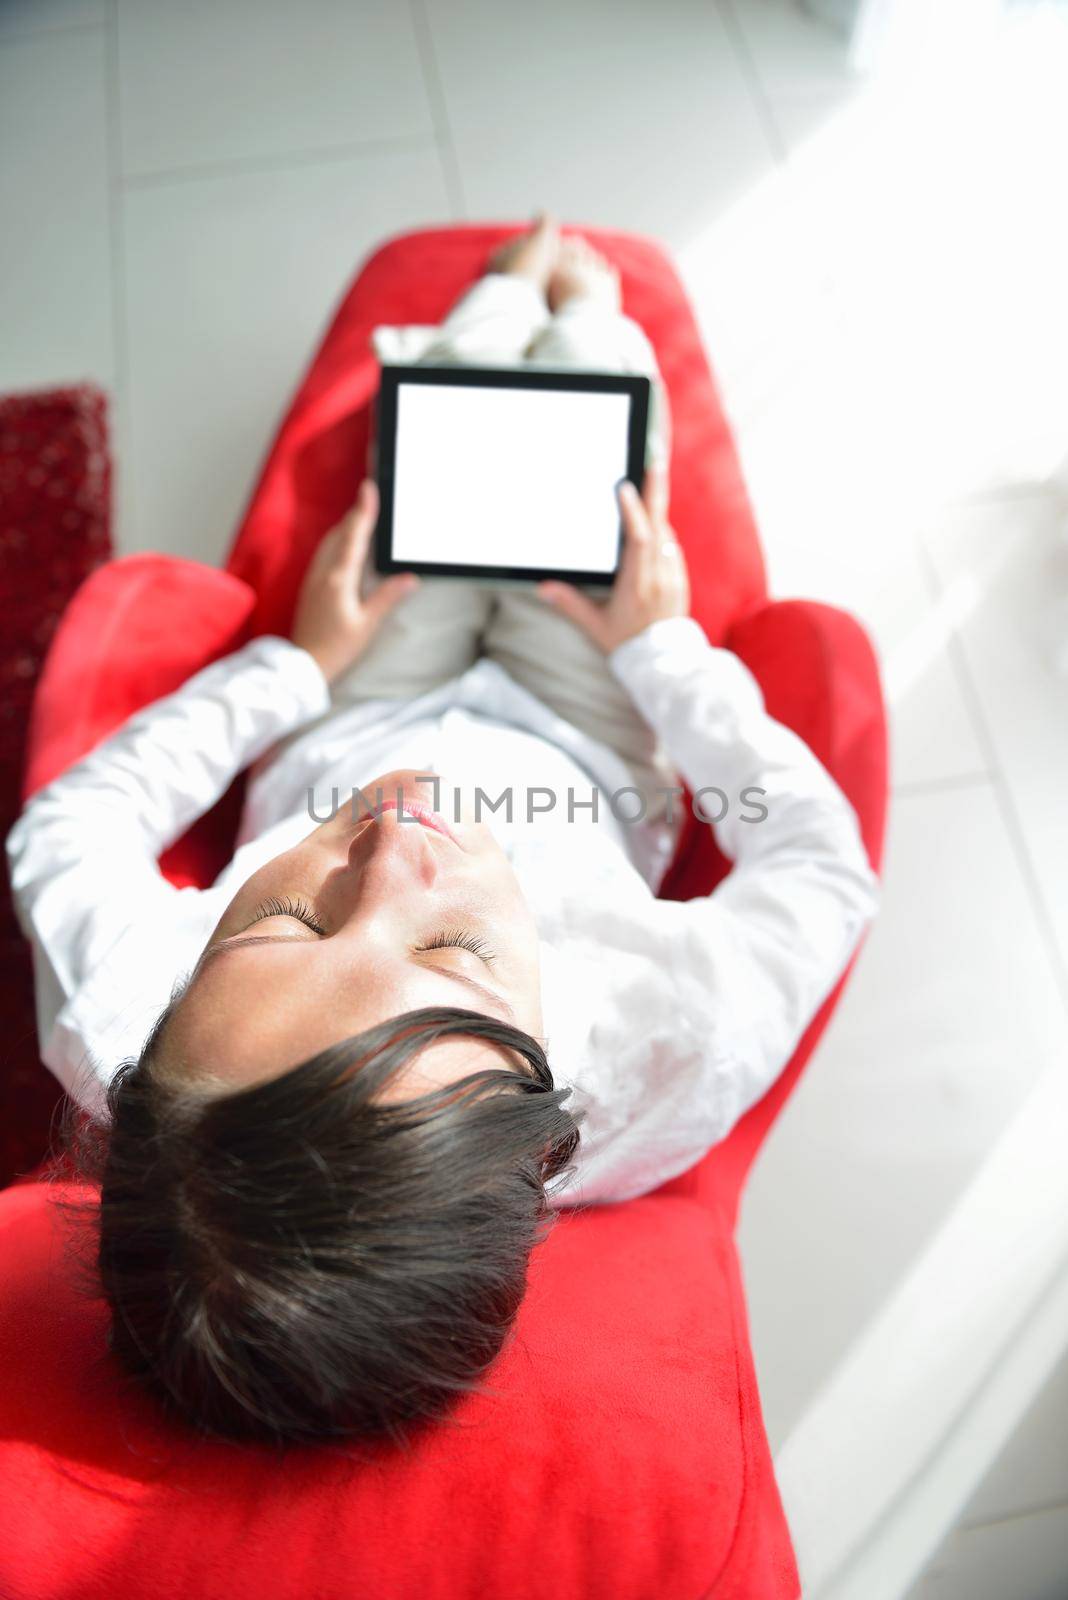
(637, 387)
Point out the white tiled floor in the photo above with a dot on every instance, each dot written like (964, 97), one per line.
(270, 250)
(592, 104)
(20, 17)
(1032, 1470)
(207, 85)
(54, 190)
(946, 1026)
(1025, 1557)
(188, 188)
(1009, 564)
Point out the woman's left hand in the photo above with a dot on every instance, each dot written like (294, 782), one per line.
(332, 622)
(652, 583)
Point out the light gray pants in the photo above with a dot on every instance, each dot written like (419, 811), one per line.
(442, 629)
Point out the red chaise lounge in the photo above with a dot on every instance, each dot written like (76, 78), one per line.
(623, 1455)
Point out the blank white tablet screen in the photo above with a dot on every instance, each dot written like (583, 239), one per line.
(508, 477)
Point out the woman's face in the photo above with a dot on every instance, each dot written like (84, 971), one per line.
(367, 918)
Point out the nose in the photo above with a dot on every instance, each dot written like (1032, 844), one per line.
(391, 852)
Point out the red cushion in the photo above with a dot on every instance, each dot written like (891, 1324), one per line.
(621, 1458)
(135, 631)
(623, 1453)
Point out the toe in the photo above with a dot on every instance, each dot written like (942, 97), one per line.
(545, 229)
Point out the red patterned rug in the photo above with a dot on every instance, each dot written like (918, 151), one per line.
(54, 529)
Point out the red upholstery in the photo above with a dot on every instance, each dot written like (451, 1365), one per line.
(54, 530)
(623, 1453)
(135, 631)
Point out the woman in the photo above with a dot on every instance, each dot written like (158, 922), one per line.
(325, 1156)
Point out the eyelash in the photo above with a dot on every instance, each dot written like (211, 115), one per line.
(452, 938)
(298, 909)
(456, 938)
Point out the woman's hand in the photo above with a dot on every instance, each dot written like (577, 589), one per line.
(651, 583)
(332, 622)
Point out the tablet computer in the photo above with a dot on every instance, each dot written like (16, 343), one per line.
(488, 472)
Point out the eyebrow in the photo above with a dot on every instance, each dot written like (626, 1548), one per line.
(496, 1001)
(221, 946)
(488, 996)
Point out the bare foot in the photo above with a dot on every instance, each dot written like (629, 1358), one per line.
(583, 273)
(530, 255)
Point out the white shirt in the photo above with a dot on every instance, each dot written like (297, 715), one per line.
(666, 1019)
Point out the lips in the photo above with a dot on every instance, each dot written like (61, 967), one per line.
(420, 813)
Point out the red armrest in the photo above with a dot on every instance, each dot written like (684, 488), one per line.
(135, 631)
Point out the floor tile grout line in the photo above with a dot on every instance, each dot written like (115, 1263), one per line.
(50, 31)
(1021, 1514)
(746, 61)
(237, 166)
(1000, 788)
(117, 251)
(1008, 494)
(922, 786)
(439, 109)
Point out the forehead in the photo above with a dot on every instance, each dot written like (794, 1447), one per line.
(238, 1024)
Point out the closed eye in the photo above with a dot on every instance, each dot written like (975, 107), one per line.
(299, 910)
(460, 939)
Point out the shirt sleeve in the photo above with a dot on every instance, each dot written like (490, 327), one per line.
(83, 854)
(728, 982)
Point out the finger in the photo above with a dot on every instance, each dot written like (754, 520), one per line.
(325, 552)
(389, 594)
(655, 493)
(637, 532)
(359, 525)
(566, 599)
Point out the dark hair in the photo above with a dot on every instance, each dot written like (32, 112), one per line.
(296, 1261)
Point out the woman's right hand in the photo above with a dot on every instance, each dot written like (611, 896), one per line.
(333, 623)
(652, 582)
